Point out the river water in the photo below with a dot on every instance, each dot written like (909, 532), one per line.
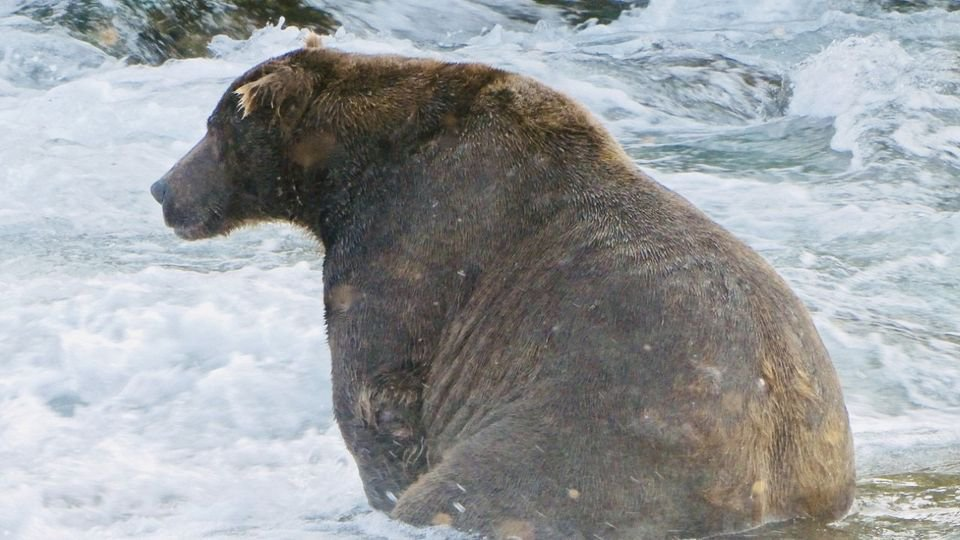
(154, 388)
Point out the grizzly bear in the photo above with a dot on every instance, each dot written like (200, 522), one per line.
(530, 337)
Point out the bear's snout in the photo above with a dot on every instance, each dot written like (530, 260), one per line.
(159, 190)
(195, 194)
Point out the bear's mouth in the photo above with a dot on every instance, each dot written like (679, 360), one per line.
(198, 230)
(193, 232)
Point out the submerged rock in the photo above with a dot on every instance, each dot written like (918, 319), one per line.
(153, 31)
(604, 11)
(907, 6)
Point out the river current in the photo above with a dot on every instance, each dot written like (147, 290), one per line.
(154, 388)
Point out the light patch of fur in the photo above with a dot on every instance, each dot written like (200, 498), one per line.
(273, 89)
(313, 148)
(363, 407)
(758, 495)
(312, 41)
(514, 529)
(249, 93)
(442, 518)
(342, 297)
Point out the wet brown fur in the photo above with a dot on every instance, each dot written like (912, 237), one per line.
(530, 337)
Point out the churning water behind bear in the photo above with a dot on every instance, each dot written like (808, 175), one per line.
(530, 337)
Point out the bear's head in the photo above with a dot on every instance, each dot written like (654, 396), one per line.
(301, 137)
(240, 172)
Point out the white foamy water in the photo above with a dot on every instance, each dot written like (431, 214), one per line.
(154, 388)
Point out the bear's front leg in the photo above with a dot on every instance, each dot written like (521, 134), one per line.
(384, 432)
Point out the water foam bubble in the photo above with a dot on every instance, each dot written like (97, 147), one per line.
(868, 85)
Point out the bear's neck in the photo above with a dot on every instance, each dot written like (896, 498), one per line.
(405, 253)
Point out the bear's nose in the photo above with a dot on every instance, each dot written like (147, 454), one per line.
(159, 190)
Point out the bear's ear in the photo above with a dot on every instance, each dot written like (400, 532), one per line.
(274, 90)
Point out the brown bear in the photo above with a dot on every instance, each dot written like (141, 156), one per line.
(530, 337)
